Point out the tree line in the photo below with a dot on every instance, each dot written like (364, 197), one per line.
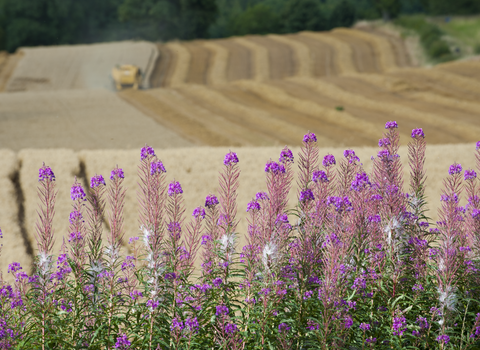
(56, 22)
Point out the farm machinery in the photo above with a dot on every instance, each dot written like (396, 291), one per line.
(126, 75)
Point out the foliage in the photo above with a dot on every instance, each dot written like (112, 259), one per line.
(430, 37)
(388, 8)
(303, 15)
(258, 19)
(357, 267)
(182, 19)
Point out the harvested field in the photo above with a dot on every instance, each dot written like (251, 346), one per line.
(80, 119)
(8, 62)
(197, 170)
(79, 66)
(13, 244)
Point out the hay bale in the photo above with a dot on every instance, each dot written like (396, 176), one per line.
(14, 248)
(66, 166)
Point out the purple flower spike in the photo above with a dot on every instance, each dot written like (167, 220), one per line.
(77, 192)
(177, 325)
(1, 234)
(274, 168)
(222, 310)
(117, 172)
(199, 212)
(283, 328)
(230, 159)
(478, 145)
(122, 342)
(391, 125)
(329, 160)
(45, 173)
(418, 133)
(96, 181)
(443, 339)
(470, 174)
(383, 142)
(361, 182)
(286, 156)
(262, 196)
(455, 169)
(253, 205)
(211, 201)
(350, 155)
(364, 326)
(192, 324)
(146, 152)
(14, 267)
(319, 176)
(306, 195)
(174, 188)
(310, 137)
(74, 216)
(157, 168)
(476, 214)
(231, 328)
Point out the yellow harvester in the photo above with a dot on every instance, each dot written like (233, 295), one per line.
(125, 75)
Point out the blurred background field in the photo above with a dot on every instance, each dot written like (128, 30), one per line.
(247, 76)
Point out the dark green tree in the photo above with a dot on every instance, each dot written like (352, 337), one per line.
(169, 19)
(303, 15)
(343, 15)
(258, 19)
(388, 8)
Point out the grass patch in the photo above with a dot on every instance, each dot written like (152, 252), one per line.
(431, 37)
(464, 29)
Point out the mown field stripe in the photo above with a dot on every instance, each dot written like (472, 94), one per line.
(192, 129)
(465, 130)
(217, 69)
(343, 51)
(426, 96)
(264, 122)
(261, 66)
(281, 98)
(303, 61)
(381, 46)
(181, 63)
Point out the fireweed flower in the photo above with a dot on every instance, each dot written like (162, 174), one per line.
(211, 201)
(230, 159)
(261, 196)
(360, 182)
(306, 195)
(157, 168)
(348, 322)
(418, 133)
(122, 342)
(351, 156)
(455, 169)
(199, 212)
(274, 168)
(364, 326)
(192, 324)
(283, 328)
(14, 267)
(443, 339)
(417, 287)
(146, 152)
(470, 174)
(96, 181)
(231, 328)
(319, 176)
(75, 237)
(282, 218)
(286, 156)
(174, 188)
(329, 160)
(476, 214)
(253, 205)
(221, 310)
(374, 218)
(217, 282)
(383, 142)
(310, 137)
(391, 125)
(399, 325)
(45, 173)
(341, 204)
(117, 172)
(478, 145)
(74, 216)
(77, 192)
